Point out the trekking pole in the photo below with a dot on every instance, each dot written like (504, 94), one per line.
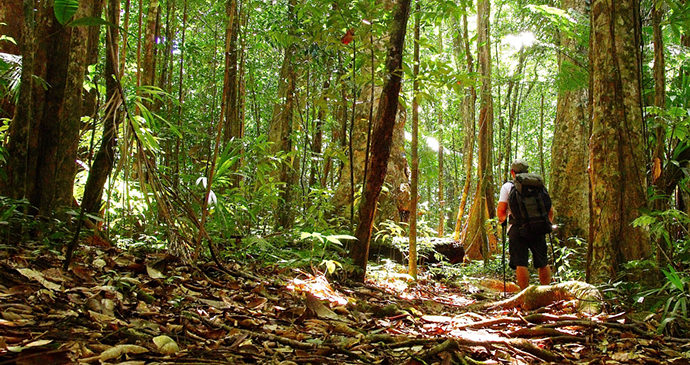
(553, 254)
(505, 225)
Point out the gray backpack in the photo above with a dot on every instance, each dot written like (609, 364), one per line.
(530, 204)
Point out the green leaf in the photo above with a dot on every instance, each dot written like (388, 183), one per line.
(65, 9)
(673, 277)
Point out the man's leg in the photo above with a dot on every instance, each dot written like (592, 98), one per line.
(522, 276)
(545, 275)
(540, 255)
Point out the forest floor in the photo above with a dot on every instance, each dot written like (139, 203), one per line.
(113, 307)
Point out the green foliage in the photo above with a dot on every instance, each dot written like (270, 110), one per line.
(673, 297)
(319, 244)
(10, 75)
(572, 77)
(246, 187)
(65, 9)
(669, 226)
(393, 234)
(570, 259)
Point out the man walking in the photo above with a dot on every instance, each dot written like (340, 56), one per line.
(522, 241)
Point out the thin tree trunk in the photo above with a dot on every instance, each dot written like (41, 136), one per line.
(469, 103)
(514, 86)
(90, 96)
(476, 242)
(233, 129)
(414, 166)
(317, 145)
(659, 154)
(105, 157)
(541, 137)
(383, 134)
(281, 130)
(441, 199)
(125, 31)
(149, 58)
(179, 142)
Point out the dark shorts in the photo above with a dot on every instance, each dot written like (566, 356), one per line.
(520, 246)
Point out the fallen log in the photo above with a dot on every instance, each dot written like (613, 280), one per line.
(587, 297)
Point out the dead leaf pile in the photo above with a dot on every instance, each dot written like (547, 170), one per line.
(115, 308)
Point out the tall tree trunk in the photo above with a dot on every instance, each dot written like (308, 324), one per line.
(233, 128)
(44, 134)
(125, 32)
(439, 111)
(659, 154)
(165, 61)
(179, 142)
(441, 199)
(280, 132)
(383, 134)
(616, 150)
(105, 157)
(89, 108)
(514, 86)
(317, 144)
(569, 185)
(477, 243)
(541, 137)
(394, 203)
(469, 102)
(414, 146)
(21, 164)
(148, 67)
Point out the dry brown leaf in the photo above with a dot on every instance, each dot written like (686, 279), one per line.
(257, 303)
(166, 345)
(35, 275)
(321, 310)
(656, 169)
(154, 273)
(119, 350)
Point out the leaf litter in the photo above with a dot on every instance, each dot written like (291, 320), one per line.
(115, 308)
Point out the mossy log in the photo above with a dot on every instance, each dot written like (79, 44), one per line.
(587, 297)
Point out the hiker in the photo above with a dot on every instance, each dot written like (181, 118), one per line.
(521, 241)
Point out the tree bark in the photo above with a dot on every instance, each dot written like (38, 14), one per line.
(659, 153)
(414, 146)
(383, 134)
(569, 185)
(233, 127)
(280, 132)
(44, 133)
(616, 151)
(90, 96)
(469, 102)
(148, 67)
(12, 14)
(105, 157)
(587, 297)
(476, 241)
(395, 203)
